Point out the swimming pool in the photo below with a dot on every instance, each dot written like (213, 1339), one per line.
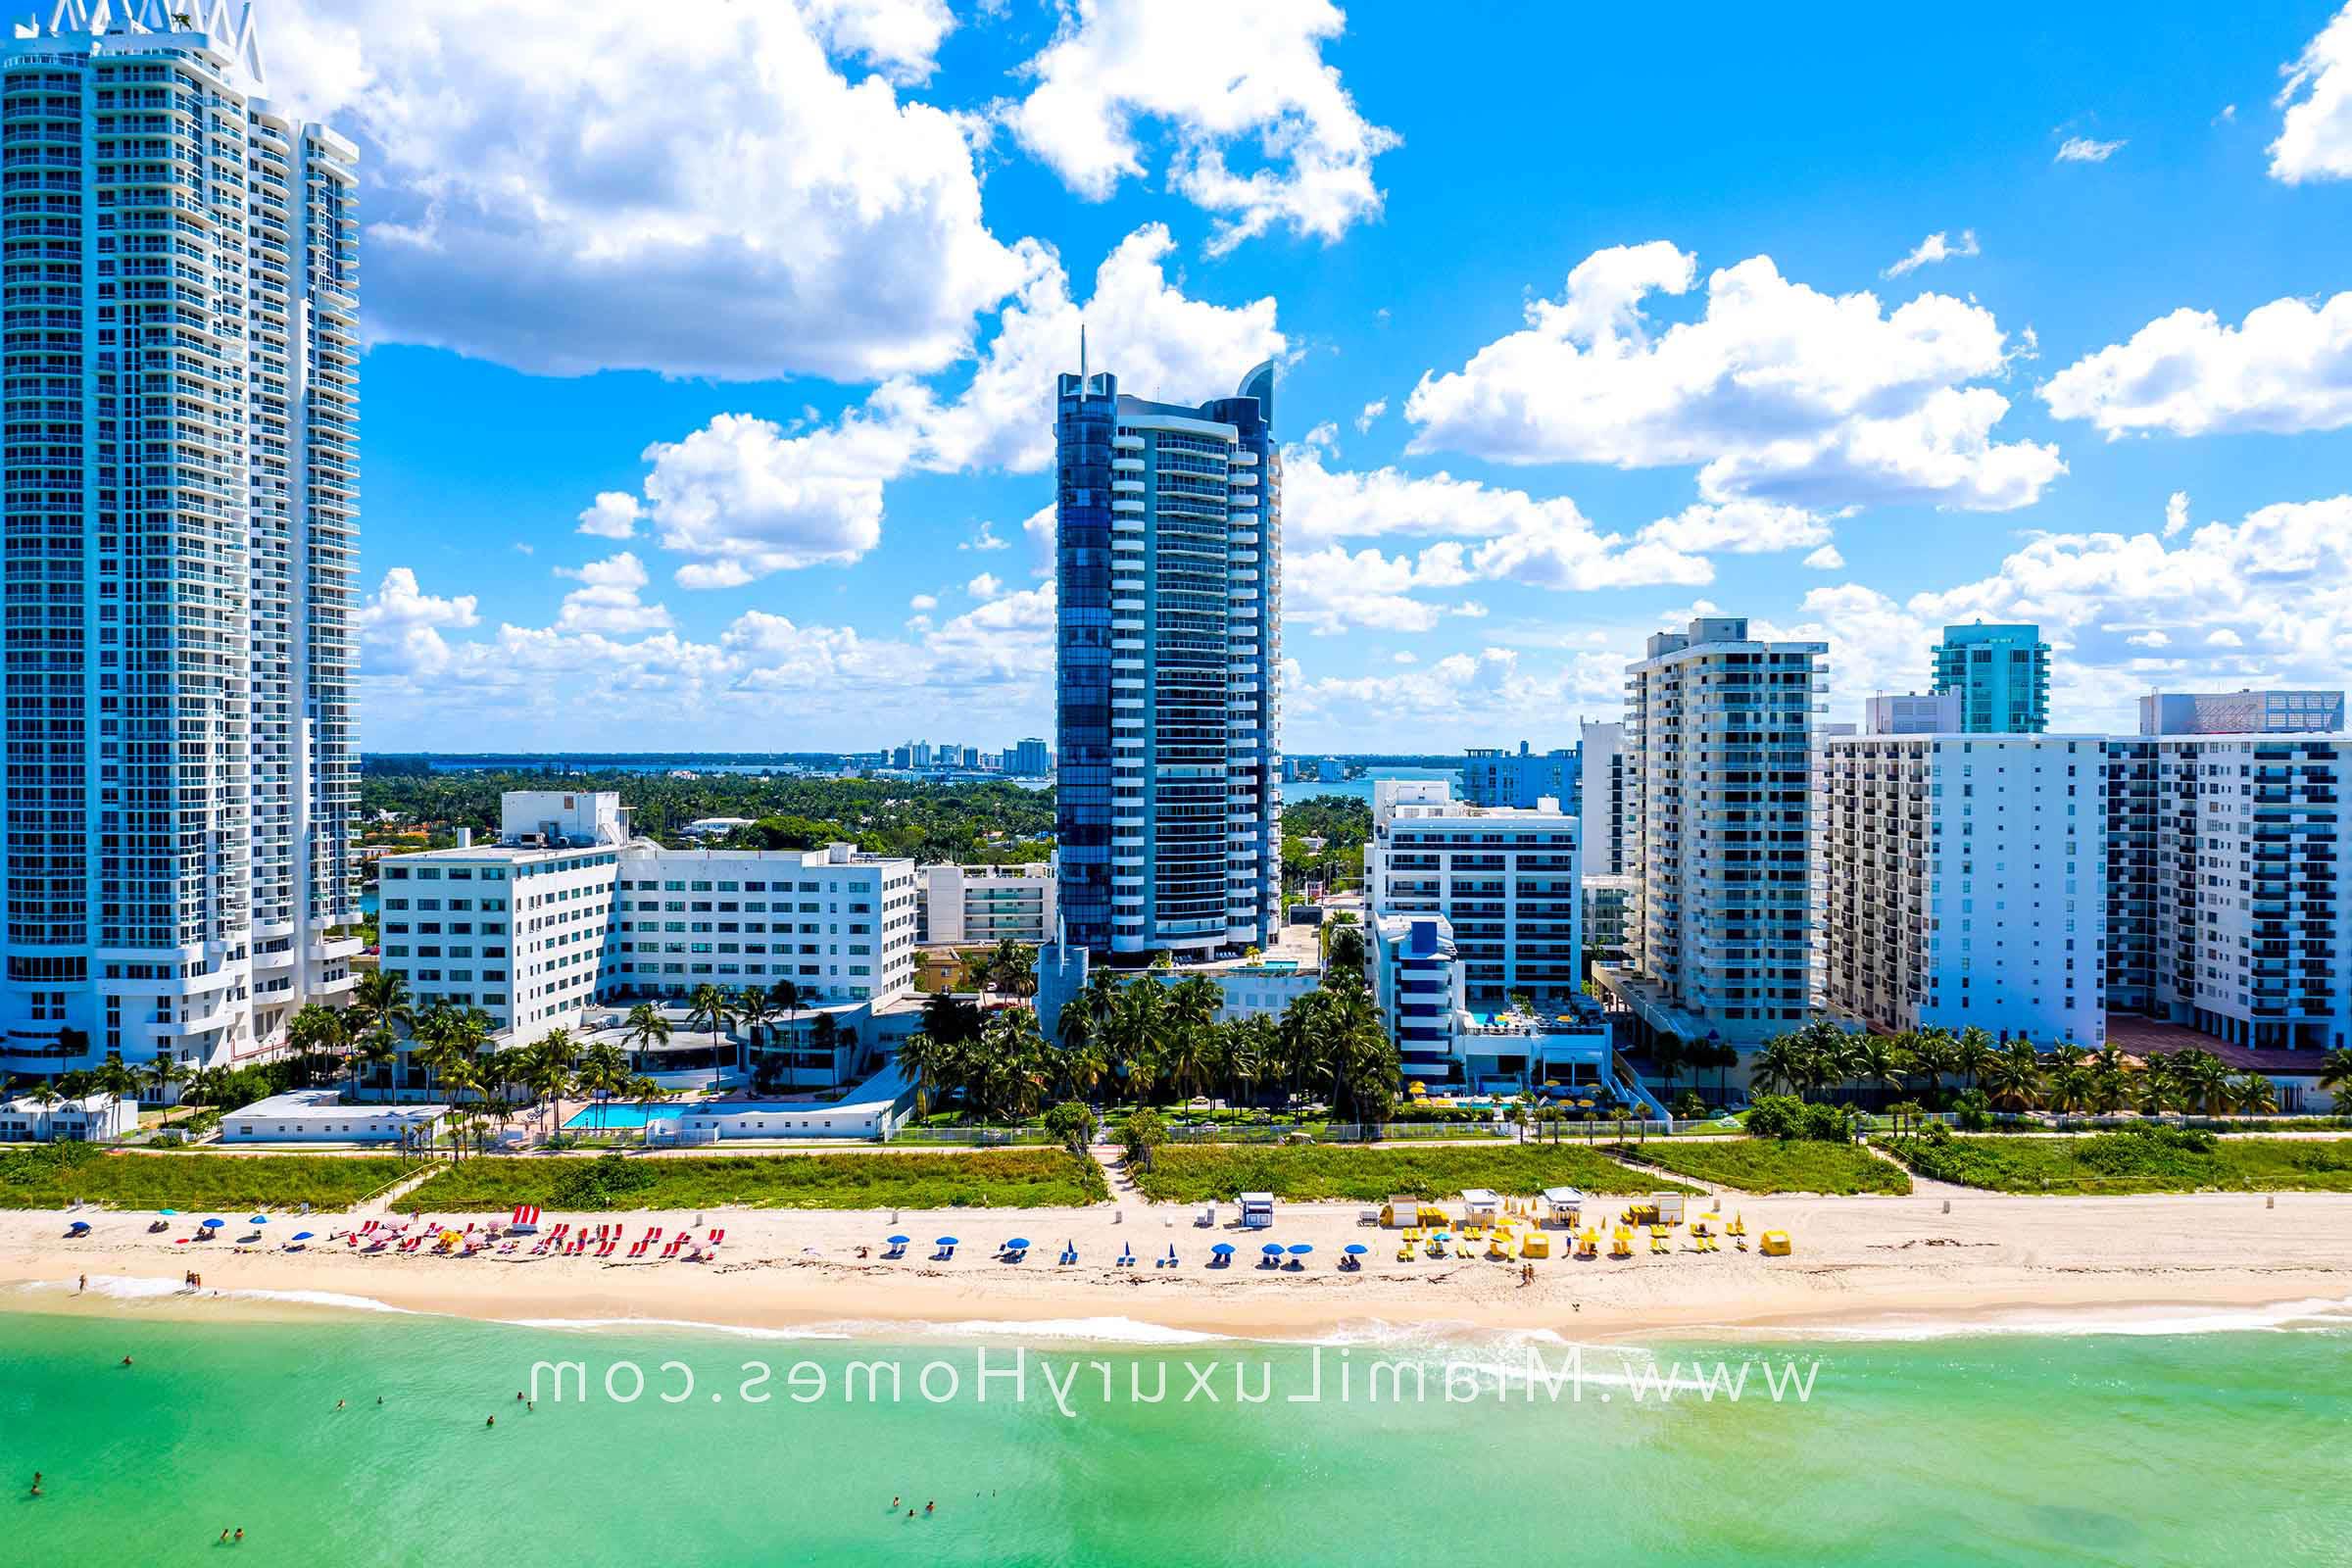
(621, 1115)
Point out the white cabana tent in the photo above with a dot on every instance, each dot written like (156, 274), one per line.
(1480, 1205)
(1403, 1211)
(1668, 1207)
(1563, 1206)
(1258, 1210)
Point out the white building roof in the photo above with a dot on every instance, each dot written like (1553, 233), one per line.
(326, 1104)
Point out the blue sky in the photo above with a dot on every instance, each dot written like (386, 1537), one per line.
(1583, 323)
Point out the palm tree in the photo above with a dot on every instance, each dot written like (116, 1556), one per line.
(754, 1009)
(2335, 1074)
(603, 1072)
(1012, 969)
(1781, 1065)
(1137, 1031)
(708, 1009)
(1935, 1053)
(1972, 1054)
(113, 1078)
(547, 1070)
(315, 1031)
(1877, 1064)
(786, 995)
(164, 1074)
(2013, 1076)
(922, 1062)
(2253, 1094)
(647, 1026)
(2206, 1078)
(380, 997)
(44, 1094)
(824, 1036)
(377, 1048)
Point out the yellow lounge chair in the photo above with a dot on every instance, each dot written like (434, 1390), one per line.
(1404, 1255)
(1589, 1244)
(1657, 1238)
(1738, 1226)
(1621, 1242)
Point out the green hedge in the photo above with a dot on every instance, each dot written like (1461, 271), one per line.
(2136, 1161)
(1197, 1173)
(1771, 1165)
(53, 1175)
(1012, 1178)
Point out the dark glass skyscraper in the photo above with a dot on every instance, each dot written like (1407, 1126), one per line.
(1168, 550)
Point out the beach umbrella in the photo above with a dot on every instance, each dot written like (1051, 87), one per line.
(1019, 1244)
(167, 1211)
(1355, 1249)
(1299, 1248)
(303, 1236)
(947, 1241)
(898, 1240)
(214, 1224)
(1223, 1249)
(259, 1219)
(1272, 1248)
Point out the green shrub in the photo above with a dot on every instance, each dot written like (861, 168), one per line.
(1973, 1111)
(1008, 1178)
(2140, 1160)
(1772, 1166)
(1196, 1173)
(1786, 1118)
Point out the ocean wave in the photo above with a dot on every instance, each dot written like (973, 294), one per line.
(151, 1288)
(1082, 1330)
(2311, 1315)
(593, 1325)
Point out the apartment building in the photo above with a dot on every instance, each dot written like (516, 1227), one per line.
(1506, 879)
(956, 904)
(1493, 776)
(1600, 797)
(2001, 676)
(2245, 712)
(1964, 883)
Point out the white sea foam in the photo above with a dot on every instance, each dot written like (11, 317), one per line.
(591, 1325)
(146, 1287)
(2310, 1314)
(1087, 1330)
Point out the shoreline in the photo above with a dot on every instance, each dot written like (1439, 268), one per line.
(1863, 1267)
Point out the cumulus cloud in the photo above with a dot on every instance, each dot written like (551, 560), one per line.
(2176, 513)
(1825, 558)
(1934, 248)
(402, 623)
(606, 599)
(614, 516)
(1221, 74)
(984, 538)
(1778, 392)
(984, 586)
(2286, 367)
(2315, 135)
(2266, 600)
(923, 604)
(540, 192)
(2083, 150)
(747, 496)
(1459, 699)
(1372, 411)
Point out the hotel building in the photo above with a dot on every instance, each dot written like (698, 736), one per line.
(2001, 675)
(181, 374)
(1719, 729)
(1964, 883)
(1168, 648)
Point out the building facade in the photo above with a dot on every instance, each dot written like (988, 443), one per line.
(1507, 880)
(2240, 712)
(1417, 982)
(1029, 758)
(1719, 729)
(1600, 797)
(1492, 776)
(181, 411)
(2228, 886)
(986, 903)
(1168, 550)
(1911, 714)
(569, 910)
(1608, 918)
(1964, 884)
(2001, 675)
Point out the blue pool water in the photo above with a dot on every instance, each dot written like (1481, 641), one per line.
(621, 1115)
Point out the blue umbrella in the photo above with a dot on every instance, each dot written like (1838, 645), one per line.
(1355, 1249)
(1272, 1248)
(214, 1224)
(259, 1219)
(303, 1236)
(1299, 1248)
(1223, 1249)
(167, 1211)
(945, 1241)
(898, 1240)
(1019, 1244)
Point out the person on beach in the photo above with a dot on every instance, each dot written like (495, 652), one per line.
(240, 1534)
(83, 1286)
(927, 1507)
(37, 1483)
(224, 1538)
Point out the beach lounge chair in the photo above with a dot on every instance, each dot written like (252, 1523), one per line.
(1208, 1217)
(1126, 1255)
(1621, 1242)
(1658, 1237)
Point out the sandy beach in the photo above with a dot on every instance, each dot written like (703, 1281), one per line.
(1859, 1263)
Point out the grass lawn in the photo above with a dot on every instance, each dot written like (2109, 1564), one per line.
(1771, 1165)
(54, 1176)
(2132, 1163)
(1199, 1173)
(1013, 1178)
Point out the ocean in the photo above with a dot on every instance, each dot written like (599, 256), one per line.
(2143, 1447)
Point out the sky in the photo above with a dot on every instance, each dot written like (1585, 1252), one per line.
(707, 401)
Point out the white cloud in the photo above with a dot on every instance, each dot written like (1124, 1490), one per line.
(2082, 150)
(2267, 601)
(1778, 392)
(2286, 367)
(2176, 513)
(984, 586)
(524, 547)
(614, 516)
(985, 538)
(1456, 700)
(2315, 135)
(1825, 558)
(573, 185)
(607, 600)
(1219, 72)
(1372, 411)
(1934, 248)
(748, 497)
(402, 624)
(923, 604)
(2228, 115)
(1740, 527)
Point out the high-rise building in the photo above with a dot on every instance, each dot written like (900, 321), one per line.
(1168, 648)
(1910, 714)
(1030, 758)
(2240, 712)
(1600, 791)
(2002, 674)
(180, 381)
(1719, 731)
(1964, 883)
(1493, 776)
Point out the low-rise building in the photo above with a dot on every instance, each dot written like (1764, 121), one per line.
(986, 904)
(874, 1110)
(1912, 713)
(319, 1116)
(1493, 776)
(94, 1118)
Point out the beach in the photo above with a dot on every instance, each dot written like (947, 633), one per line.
(1857, 1261)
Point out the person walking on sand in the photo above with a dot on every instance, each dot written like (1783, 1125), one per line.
(83, 1286)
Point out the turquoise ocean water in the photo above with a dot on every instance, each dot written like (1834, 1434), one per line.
(2093, 1448)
